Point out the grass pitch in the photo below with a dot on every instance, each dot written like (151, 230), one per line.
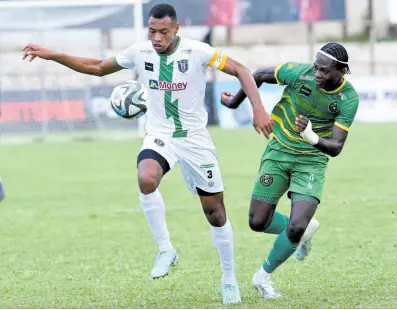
(72, 234)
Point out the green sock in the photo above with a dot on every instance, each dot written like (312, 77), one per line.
(282, 250)
(278, 224)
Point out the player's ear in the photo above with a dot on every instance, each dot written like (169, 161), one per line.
(176, 28)
(343, 71)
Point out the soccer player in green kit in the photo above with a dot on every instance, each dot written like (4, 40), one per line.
(311, 121)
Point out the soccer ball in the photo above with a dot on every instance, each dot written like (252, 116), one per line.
(128, 100)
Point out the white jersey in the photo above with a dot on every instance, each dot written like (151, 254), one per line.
(176, 84)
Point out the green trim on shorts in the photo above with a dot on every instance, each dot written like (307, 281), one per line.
(266, 199)
(295, 197)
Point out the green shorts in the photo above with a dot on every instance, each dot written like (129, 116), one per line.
(280, 172)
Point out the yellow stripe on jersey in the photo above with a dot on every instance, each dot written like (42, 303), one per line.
(287, 118)
(288, 147)
(276, 73)
(280, 122)
(212, 62)
(223, 62)
(218, 61)
(341, 126)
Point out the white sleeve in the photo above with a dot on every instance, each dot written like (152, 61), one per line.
(126, 58)
(212, 57)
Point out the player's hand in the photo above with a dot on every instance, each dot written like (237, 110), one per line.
(262, 122)
(301, 123)
(226, 99)
(33, 51)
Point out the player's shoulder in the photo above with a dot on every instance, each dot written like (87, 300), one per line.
(296, 67)
(350, 92)
(144, 47)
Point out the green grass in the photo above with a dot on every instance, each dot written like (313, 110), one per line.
(72, 234)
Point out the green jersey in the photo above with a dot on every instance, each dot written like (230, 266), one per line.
(323, 108)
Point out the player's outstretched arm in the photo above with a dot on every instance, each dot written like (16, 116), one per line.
(262, 120)
(332, 147)
(80, 64)
(264, 75)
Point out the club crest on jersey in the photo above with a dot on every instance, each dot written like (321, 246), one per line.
(333, 107)
(183, 65)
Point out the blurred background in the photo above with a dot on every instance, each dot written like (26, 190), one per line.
(43, 98)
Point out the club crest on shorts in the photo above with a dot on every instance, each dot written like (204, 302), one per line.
(266, 180)
(183, 65)
(333, 107)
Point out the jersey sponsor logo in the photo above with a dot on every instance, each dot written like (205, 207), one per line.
(167, 86)
(183, 65)
(187, 51)
(266, 180)
(145, 51)
(149, 66)
(159, 142)
(305, 91)
(306, 78)
(333, 107)
(342, 96)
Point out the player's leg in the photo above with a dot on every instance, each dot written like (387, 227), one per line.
(2, 193)
(307, 187)
(223, 239)
(154, 161)
(272, 182)
(305, 195)
(302, 224)
(202, 174)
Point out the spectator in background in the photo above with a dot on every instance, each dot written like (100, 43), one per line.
(310, 10)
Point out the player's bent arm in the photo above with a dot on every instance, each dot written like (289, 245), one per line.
(333, 146)
(89, 66)
(264, 75)
(249, 86)
(330, 146)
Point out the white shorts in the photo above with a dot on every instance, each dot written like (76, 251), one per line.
(197, 156)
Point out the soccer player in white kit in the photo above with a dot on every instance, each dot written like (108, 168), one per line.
(174, 71)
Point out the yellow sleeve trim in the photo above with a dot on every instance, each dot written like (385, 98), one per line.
(276, 74)
(223, 63)
(341, 126)
(214, 58)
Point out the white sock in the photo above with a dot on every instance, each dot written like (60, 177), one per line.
(262, 273)
(154, 209)
(223, 240)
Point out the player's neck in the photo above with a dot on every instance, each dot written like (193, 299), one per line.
(172, 47)
(335, 86)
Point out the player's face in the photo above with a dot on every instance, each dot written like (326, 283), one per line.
(325, 72)
(162, 33)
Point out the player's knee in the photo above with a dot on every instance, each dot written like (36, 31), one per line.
(216, 214)
(147, 182)
(295, 231)
(216, 218)
(256, 223)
